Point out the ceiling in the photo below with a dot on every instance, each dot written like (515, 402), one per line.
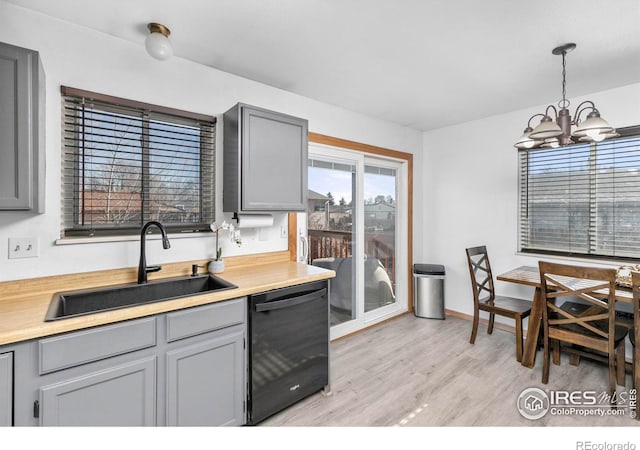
(420, 63)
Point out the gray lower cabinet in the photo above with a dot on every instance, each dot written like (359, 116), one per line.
(6, 389)
(124, 395)
(265, 161)
(21, 129)
(183, 368)
(205, 382)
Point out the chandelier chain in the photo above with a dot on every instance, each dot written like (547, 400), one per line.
(564, 103)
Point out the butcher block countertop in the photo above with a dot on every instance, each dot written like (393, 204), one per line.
(24, 303)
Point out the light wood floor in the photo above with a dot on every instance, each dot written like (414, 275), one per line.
(421, 372)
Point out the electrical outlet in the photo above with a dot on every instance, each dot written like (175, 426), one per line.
(283, 232)
(27, 247)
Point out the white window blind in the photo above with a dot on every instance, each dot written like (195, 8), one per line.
(582, 200)
(125, 163)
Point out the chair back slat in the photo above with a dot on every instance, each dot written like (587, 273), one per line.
(583, 321)
(481, 276)
(567, 286)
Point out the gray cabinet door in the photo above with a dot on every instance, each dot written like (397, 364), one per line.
(6, 389)
(205, 382)
(274, 161)
(124, 395)
(21, 129)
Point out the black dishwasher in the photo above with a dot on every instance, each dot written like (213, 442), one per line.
(289, 347)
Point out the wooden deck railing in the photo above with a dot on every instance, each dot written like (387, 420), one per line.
(326, 243)
(338, 244)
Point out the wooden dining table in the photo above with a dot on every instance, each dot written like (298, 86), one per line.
(530, 276)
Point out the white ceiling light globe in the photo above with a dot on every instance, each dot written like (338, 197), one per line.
(158, 46)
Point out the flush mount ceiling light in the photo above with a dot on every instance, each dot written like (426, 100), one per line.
(157, 43)
(555, 131)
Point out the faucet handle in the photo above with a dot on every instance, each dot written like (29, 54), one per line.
(194, 269)
(153, 268)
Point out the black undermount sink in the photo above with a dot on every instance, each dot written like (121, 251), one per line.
(77, 303)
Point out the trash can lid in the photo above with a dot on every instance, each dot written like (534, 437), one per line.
(428, 269)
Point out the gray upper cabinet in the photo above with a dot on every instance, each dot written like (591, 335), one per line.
(21, 130)
(265, 161)
(6, 389)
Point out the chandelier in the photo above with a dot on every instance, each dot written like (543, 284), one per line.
(554, 129)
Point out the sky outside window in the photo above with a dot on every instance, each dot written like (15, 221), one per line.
(338, 182)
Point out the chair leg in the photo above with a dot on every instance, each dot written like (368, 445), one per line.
(620, 373)
(633, 379)
(545, 359)
(556, 352)
(633, 373)
(633, 384)
(492, 317)
(612, 377)
(474, 327)
(574, 359)
(519, 345)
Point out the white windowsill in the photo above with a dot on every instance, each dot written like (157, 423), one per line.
(128, 238)
(584, 261)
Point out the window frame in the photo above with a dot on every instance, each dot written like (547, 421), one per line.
(624, 133)
(146, 113)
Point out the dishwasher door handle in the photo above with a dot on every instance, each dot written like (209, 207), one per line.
(279, 304)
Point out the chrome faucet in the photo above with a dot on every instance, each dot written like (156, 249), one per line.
(142, 267)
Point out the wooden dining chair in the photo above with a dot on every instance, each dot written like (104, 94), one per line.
(485, 298)
(594, 327)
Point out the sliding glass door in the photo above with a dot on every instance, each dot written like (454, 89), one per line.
(357, 209)
(331, 234)
(380, 204)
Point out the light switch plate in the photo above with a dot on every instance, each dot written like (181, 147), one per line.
(26, 247)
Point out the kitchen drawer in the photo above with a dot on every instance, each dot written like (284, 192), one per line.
(74, 349)
(202, 319)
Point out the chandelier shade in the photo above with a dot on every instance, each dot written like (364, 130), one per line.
(525, 141)
(593, 126)
(547, 129)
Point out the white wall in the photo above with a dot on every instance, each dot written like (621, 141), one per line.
(470, 192)
(82, 58)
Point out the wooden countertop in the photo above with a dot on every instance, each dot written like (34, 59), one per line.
(24, 303)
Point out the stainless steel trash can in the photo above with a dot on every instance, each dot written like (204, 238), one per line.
(428, 291)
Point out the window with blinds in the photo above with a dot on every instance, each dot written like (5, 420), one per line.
(582, 200)
(125, 163)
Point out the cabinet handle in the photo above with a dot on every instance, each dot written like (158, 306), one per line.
(36, 409)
